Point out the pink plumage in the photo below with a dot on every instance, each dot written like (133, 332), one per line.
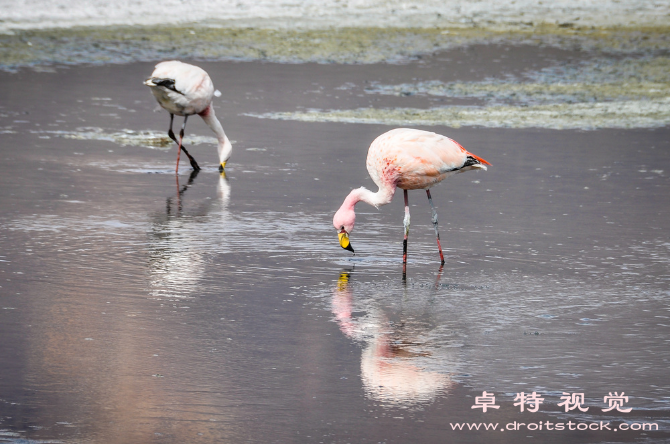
(413, 159)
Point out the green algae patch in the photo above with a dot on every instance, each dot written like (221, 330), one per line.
(119, 44)
(585, 116)
(593, 81)
(147, 139)
(538, 92)
(619, 92)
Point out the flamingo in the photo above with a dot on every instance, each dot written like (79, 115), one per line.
(408, 159)
(184, 90)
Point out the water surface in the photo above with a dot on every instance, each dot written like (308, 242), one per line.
(140, 306)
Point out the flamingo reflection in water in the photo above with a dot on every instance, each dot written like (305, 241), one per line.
(392, 358)
(181, 239)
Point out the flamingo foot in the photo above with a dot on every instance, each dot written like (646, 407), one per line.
(191, 159)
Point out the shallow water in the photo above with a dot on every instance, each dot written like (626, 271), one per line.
(137, 306)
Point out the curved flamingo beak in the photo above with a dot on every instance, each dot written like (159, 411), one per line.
(344, 241)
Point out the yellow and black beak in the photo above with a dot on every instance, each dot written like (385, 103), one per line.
(344, 240)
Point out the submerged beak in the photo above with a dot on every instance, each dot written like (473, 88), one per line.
(344, 240)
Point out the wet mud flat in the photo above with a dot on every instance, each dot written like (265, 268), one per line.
(140, 306)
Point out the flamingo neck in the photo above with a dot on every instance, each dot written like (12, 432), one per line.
(225, 148)
(362, 194)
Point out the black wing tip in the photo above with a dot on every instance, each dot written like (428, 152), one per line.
(471, 161)
(165, 83)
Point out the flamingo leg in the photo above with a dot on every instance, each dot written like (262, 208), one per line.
(194, 164)
(170, 132)
(437, 233)
(181, 139)
(405, 223)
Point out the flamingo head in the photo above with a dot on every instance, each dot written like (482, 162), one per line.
(343, 221)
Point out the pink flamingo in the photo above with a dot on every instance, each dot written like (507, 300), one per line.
(409, 159)
(184, 90)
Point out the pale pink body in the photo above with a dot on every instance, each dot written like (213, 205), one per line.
(193, 95)
(409, 159)
(413, 159)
